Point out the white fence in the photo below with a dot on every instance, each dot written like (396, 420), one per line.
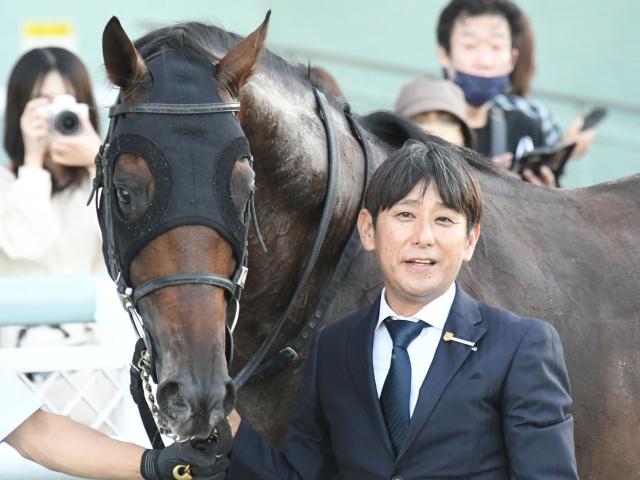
(89, 383)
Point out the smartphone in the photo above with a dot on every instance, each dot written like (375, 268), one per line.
(553, 157)
(594, 117)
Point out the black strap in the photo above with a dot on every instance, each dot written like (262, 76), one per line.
(174, 108)
(292, 353)
(200, 278)
(327, 213)
(137, 393)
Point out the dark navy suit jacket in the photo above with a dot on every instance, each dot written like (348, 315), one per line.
(501, 412)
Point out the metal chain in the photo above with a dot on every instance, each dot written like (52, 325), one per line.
(161, 421)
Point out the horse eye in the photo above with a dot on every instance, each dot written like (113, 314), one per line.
(124, 197)
(242, 183)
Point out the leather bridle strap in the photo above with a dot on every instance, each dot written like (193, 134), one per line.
(198, 278)
(327, 214)
(292, 353)
(174, 108)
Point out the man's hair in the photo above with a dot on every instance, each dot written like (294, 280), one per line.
(472, 8)
(437, 163)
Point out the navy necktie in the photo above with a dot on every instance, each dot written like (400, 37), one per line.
(396, 390)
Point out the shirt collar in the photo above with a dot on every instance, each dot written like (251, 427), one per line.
(435, 313)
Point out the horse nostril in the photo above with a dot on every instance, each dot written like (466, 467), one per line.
(229, 397)
(171, 401)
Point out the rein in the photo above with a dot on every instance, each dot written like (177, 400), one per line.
(327, 213)
(292, 353)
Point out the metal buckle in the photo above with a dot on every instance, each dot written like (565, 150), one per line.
(290, 353)
(125, 298)
(242, 278)
(134, 316)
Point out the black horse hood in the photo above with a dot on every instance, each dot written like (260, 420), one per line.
(190, 155)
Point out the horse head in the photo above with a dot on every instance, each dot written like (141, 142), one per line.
(177, 183)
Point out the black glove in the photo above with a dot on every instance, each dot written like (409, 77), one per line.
(203, 465)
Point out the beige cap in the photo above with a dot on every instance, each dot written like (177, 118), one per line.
(430, 95)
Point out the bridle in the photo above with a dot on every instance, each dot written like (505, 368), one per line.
(142, 364)
(129, 295)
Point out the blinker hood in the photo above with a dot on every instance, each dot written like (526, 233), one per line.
(191, 157)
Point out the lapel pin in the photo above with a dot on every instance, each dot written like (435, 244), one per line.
(450, 337)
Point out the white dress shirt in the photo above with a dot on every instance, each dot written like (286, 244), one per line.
(421, 350)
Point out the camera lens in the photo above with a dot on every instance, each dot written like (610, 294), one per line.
(67, 122)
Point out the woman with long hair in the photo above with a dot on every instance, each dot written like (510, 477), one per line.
(51, 138)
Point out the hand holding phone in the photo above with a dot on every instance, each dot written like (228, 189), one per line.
(553, 157)
(594, 117)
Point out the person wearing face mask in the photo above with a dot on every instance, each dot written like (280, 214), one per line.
(476, 49)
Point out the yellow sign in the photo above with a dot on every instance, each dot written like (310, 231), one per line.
(48, 33)
(48, 29)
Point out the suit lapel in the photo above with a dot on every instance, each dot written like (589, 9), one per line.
(360, 365)
(464, 322)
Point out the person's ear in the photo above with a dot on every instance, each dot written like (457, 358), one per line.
(366, 229)
(444, 60)
(470, 244)
(515, 53)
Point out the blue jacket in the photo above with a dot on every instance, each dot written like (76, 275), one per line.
(501, 412)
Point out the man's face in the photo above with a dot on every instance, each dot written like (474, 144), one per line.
(420, 245)
(481, 46)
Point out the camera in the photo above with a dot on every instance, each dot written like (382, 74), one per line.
(64, 114)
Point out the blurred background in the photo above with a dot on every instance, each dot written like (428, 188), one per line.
(586, 57)
(586, 52)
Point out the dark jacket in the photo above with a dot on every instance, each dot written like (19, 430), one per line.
(500, 412)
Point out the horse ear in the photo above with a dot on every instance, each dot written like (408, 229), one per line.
(239, 63)
(123, 62)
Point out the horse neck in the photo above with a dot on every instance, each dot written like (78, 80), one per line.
(289, 144)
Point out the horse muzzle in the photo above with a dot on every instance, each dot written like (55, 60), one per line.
(191, 410)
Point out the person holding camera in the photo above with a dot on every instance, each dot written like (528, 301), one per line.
(51, 138)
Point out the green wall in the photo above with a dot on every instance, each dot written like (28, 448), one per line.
(586, 52)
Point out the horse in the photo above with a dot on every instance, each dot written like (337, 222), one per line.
(566, 256)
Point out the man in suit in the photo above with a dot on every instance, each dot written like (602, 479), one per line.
(426, 383)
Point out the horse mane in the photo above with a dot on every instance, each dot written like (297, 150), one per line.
(396, 130)
(202, 41)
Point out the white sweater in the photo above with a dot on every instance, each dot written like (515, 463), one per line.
(42, 234)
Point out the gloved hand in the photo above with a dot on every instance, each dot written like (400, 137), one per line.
(203, 465)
